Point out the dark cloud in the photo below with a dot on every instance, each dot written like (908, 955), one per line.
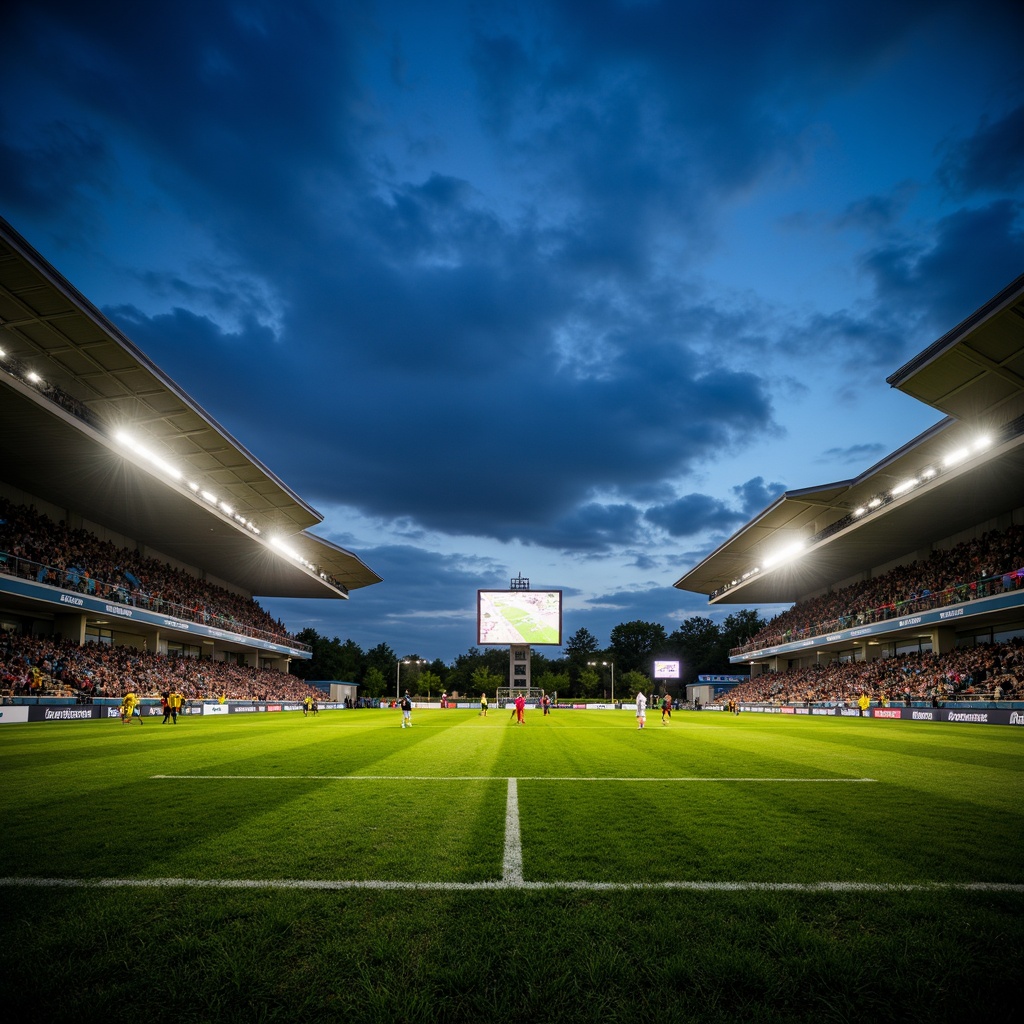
(375, 435)
(877, 213)
(757, 494)
(974, 253)
(992, 159)
(693, 514)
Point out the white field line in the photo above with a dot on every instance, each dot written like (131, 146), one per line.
(512, 863)
(521, 778)
(332, 884)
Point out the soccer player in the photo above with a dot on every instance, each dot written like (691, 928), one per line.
(483, 704)
(666, 708)
(641, 709)
(130, 705)
(307, 704)
(406, 710)
(165, 703)
(545, 702)
(520, 710)
(175, 700)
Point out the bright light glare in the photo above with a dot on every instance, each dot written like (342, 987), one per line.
(786, 553)
(905, 486)
(982, 443)
(145, 453)
(954, 457)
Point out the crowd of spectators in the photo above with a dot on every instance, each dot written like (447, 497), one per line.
(986, 565)
(33, 546)
(985, 671)
(31, 666)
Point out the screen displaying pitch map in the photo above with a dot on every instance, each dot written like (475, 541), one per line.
(519, 617)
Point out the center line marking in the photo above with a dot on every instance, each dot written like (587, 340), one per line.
(512, 866)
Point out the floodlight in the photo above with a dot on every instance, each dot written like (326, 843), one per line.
(905, 486)
(790, 551)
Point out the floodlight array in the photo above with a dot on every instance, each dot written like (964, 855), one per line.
(928, 473)
(125, 439)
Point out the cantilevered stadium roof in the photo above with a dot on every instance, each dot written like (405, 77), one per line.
(974, 374)
(70, 381)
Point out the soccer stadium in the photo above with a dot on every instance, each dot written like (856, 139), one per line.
(240, 866)
(907, 581)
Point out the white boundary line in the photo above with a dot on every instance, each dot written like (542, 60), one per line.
(521, 778)
(331, 884)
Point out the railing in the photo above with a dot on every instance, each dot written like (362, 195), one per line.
(958, 593)
(77, 581)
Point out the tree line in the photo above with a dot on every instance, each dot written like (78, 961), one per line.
(582, 671)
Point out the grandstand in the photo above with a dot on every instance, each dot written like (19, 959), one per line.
(128, 516)
(919, 555)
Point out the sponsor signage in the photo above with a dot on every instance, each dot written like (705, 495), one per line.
(887, 713)
(935, 616)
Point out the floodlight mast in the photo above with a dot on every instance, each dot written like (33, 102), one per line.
(519, 654)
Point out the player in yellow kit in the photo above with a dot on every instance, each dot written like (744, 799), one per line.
(131, 705)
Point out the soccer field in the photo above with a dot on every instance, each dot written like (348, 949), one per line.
(276, 867)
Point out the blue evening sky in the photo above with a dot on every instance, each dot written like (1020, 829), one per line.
(570, 288)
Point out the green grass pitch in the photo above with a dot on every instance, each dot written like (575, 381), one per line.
(273, 867)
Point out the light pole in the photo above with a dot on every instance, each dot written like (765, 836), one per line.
(398, 672)
(611, 664)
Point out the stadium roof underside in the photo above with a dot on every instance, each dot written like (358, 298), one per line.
(70, 380)
(975, 375)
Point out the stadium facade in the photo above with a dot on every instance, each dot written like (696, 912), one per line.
(97, 438)
(954, 483)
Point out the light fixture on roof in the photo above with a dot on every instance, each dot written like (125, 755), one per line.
(285, 549)
(905, 486)
(129, 442)
(785, 554)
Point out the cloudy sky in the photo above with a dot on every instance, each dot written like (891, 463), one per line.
(568, 288)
